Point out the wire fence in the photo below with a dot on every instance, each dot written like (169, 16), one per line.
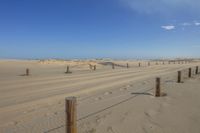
(172, 77)
(130, 92)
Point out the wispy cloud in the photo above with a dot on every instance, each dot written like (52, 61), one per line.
(197, 23)
(168, 27)
(183, 26)
(186, 24)
(164, 6)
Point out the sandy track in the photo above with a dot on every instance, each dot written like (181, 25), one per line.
(20, 94)
(72, 79)
(47, 88)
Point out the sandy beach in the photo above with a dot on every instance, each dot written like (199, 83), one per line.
(119, 100)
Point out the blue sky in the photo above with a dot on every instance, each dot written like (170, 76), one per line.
(99, 28)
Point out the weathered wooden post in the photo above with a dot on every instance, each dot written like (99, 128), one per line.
(179, 77)
(27, 72)
(157, 91)
(149, 64)
(70, 110)
(197, 70)
(163, 63)
(139, 64)
(168, 62)
(113, 66)
(127, 65)
(67, 71)
(190, 73)
(95, 68)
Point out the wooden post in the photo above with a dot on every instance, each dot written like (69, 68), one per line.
(95, 67)
(149, 64)
(197, 70)
(190, 73)
(70, 110)
(168, 62)
(139, 64)
(179, 77)
(67, 69)
(163, 63)
(27, 72)
(127, 65)
(157, 91)
(113, 66)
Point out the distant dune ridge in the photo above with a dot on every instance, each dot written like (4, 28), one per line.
(108, 101)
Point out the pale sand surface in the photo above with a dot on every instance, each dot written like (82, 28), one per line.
(109, 101)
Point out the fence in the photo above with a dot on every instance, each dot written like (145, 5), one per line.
(59, 116)
(71, 126)
(127, 65)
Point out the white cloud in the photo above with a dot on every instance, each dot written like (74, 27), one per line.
(197, 23)
(168, 27)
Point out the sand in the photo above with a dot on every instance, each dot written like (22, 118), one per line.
(109, 100)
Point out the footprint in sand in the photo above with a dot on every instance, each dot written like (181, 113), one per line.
(152, 127)
(60, 102)
(98, 120)
(150, 113)
(123, 89)
(128, 86)
(108, 93)
(25, 112)
(55, 113)
(98, 98)
(14, 123)
(125, 116)
(143, 83)
(91, 131)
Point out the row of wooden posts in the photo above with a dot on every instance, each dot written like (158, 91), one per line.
(149, 64)
(179, 80)
(94, 67)
(71, 111)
